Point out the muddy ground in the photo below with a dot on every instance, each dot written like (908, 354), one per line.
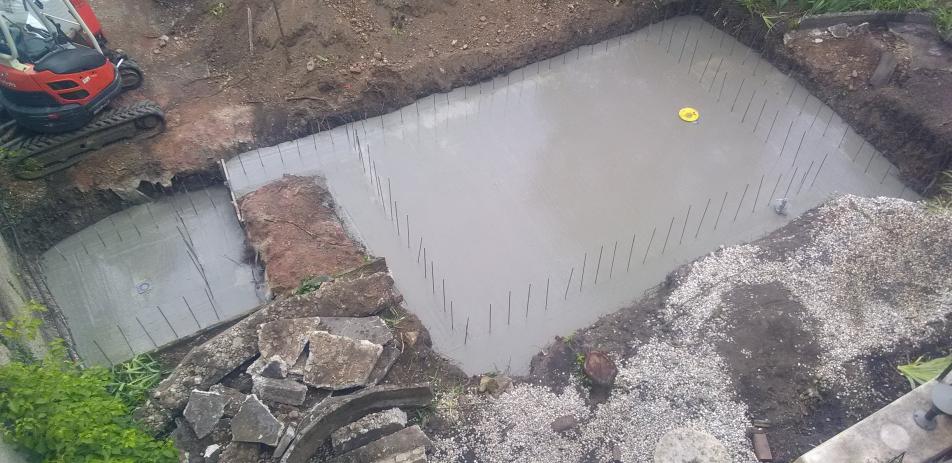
(786, 362)
(316, 65)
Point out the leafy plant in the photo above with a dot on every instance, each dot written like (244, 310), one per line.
(919, 371)
(217, 9)
(17, 332)
(59, 413)
(132, 380)
(310, 284)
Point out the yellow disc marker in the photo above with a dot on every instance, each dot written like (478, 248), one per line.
(689, 114)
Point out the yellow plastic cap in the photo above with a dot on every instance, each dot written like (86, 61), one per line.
(689, 114)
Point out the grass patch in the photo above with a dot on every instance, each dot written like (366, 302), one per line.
(132, 380)
(775, 11)
(942, 201)
(311, 284)
(922, 371)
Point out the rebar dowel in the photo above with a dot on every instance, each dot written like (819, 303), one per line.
(648, 248)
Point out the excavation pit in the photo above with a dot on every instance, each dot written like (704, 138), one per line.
(524, 207)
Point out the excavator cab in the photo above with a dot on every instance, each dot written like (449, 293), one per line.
(57, 81)
(49, 83)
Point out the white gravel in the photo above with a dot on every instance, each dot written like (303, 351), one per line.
(875, 272)
(662, 387)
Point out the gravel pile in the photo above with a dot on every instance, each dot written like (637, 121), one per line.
(875, 273)
(664, 386)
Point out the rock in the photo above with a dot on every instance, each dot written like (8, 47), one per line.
(203, 411)
(454, 42)
(239, 452)
(683, 445)
(211, 450)
(860, 29)
(337, 362)
(371, 329)
(255, 423)
(564, 423)
(494, 385)
(430, 54)
(367, 430)
(336, 412)
(840, 31)
(285, 391)
(387, 358)
(482, 18)
(284, 339)
(355, 68)
(285, 441)
(234, 396)
(378, 55)
(884, 70)
(365, 291)
(407, 445)
(275, 367)
(600, 368)
(465, 46)
(311, 64)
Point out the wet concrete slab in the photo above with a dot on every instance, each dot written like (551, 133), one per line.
(152, 274)
(525, 207)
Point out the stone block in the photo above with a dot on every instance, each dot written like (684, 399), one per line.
(406, 445)
(368, 429)
(371, 329)
(203, 411)
(336, 362)
(255, 423)
(282, 340)
(285, 391)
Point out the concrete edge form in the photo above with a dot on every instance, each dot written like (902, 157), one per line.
(888, 433)
(332, 414)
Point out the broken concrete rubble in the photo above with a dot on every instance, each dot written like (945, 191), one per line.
(285, 391)
(203, 411)
(371, 329)
(364, 292)
(282, 340)
(234, 396)
(407, 445)
(367, 430)
(274, 367)
(337, 362)
(255, 423)
(336, 412)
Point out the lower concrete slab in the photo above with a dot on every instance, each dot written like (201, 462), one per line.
(888, 433)
(525, 207)
(153, 274)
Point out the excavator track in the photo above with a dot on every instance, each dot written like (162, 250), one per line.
(36, 156)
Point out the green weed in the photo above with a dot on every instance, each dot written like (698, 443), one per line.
(922, 371)
(132, 380)
(217, 10)
(310, 284)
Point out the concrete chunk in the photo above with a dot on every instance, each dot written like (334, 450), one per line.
(367, 430)
(282, 340)
(336, 362)
(371, 329)
(203, 411)
(255, 423)
(285, 391)
(336, 412)
(884, 70)
(387, 358)
(408, 444)
(234, 396)
(275, 367)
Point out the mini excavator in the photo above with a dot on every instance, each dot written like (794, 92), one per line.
(58, 80)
